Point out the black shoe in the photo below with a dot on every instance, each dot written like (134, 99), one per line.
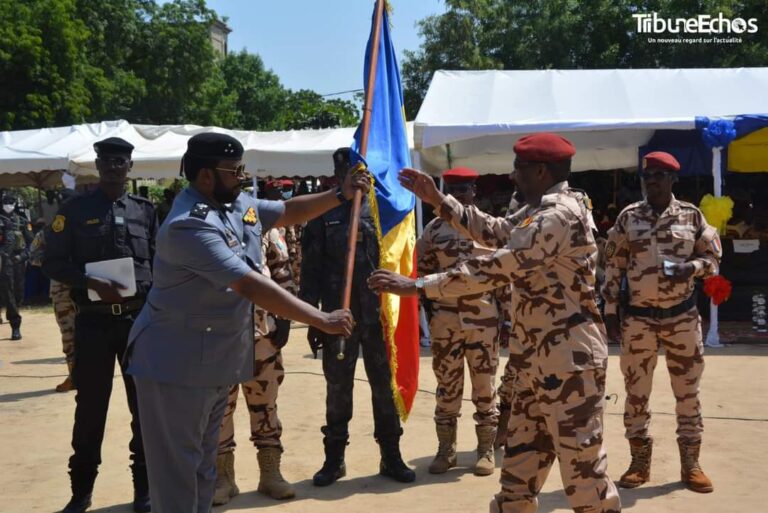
(330, 473)
(15, 334)
(141, 503)
(397, 471)
(78, 504)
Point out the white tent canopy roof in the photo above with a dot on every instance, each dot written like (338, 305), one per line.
(606, 113)
(158, 149)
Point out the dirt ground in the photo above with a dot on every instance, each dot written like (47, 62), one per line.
(36, 423)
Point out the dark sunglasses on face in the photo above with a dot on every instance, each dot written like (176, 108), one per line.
(238, 171)
(459, 188)
(658, 175)
(114, 161)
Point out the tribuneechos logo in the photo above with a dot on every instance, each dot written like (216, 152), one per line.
(702, 24)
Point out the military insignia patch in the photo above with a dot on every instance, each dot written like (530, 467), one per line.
(200, 210)
(525, 222)
(93, 221)
(58, 224)
(250, 216)
(610, 249)
(588, 202)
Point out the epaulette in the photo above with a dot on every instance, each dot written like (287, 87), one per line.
(584, 197)
(685, 204)
(200, 210)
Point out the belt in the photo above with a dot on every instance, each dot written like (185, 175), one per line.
(662, 313)
(116, 309)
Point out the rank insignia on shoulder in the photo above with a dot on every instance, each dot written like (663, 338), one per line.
(525, 222)
(588, 202)
(58, 224)
(93, 221)
(250, 216)
(200, 210)
(610, 249)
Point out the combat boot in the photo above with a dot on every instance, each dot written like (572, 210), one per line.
(485, 461)
(15, 333)
(225, 479)
(392, 464)
(140, 489)
(333, 467)
(501, 431)
(639, 471)
(690, 471)
(446, 449)
(82, 489)
(67, 384)
(271, 481)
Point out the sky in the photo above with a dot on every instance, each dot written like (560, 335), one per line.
(318, 45)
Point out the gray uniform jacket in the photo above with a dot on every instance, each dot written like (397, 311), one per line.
(194, 330)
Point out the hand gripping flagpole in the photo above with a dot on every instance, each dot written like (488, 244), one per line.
(358, 198)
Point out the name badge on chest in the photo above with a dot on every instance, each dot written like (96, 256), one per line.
(119, 220)
(232, 241)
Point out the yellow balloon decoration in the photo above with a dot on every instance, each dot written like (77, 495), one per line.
(717, 211)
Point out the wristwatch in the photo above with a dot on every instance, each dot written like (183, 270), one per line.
(340, 195)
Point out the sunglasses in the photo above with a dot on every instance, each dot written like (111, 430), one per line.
(658, 175)
(114, 161)
(239, 171)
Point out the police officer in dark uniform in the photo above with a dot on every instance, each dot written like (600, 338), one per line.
(106, 224)
(324, 247)
(22, 230)
(7, 296)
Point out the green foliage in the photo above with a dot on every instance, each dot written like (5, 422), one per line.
(568, 34)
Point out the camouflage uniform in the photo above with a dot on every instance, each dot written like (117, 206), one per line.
(461, 328)
(558, 346)
(292, 235)
(638, 244)
(261, 392)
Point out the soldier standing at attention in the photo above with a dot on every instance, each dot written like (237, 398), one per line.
(271, 334)
(461, 328)
(560, 347)
(660, 245)
(8, 247)
(194, 338)
(325, 246)
(106, 224)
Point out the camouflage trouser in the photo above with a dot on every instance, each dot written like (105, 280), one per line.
(261, 398)
(507, 382)
(450, 346)
(681, 338)
(557, 416)
(64, 310)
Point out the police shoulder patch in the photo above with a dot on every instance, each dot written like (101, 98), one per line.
(610, 249)
(250, 216)
(525, 222)
(58, 224)
(200, 210)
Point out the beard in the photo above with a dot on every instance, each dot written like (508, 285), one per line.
(222, 193)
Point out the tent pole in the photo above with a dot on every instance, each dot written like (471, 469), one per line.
(713, 335)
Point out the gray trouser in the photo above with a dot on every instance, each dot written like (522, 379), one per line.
(180, 426)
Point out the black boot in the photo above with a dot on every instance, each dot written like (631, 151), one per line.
(82, 488)
(333, 467)
(140, 489)
(392, 464)
(16, 330)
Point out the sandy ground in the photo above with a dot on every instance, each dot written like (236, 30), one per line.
(36, 422)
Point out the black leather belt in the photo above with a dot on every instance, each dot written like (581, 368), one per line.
(662, 313)
(116, 309)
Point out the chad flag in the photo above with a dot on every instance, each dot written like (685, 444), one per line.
(392, 207)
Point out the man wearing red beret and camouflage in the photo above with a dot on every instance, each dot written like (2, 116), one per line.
(660, 246)
(558, 342)
(461, 328)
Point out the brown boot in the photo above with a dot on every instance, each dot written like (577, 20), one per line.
(639, 471)
(501, 431)
(271, 481)
(225, 479)
(690, 471)
(66, 385)
(485, 460)
(446, 449)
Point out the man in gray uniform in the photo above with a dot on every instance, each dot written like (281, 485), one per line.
(194, 337)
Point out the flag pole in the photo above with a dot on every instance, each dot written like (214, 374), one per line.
(358, 198)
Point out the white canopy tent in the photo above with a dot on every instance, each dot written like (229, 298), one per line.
(476, 116)
(158, 149)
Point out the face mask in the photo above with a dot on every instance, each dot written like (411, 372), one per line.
(8, 208)
(287, 195)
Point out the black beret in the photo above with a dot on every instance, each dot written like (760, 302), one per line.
(214, 146)
(113, 145)
(341, 159)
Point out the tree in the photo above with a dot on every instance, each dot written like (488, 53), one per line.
(307, 109)
(568, 34)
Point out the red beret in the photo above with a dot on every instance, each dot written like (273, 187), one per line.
(460, 174)
(544, 147)
(661, 159)
(279, 184)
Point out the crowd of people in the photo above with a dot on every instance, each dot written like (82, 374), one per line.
(188, 339)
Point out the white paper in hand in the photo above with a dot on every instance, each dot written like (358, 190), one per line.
(119, 270)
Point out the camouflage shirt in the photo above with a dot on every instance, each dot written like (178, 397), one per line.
(278, 267)
(441, 248)
(640, 242)
(549, 257)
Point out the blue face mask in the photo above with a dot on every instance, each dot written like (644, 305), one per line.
(286, 195)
